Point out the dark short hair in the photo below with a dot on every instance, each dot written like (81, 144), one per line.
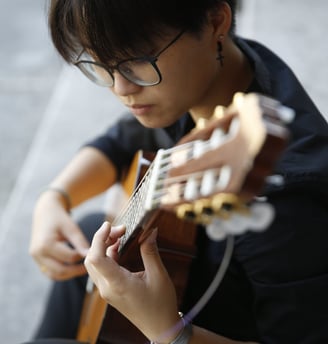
(115, 29)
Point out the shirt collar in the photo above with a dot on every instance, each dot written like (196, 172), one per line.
(261, 83)
(261, 73)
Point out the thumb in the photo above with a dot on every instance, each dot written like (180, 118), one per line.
(77, 239)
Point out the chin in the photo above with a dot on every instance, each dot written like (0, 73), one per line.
(155, 123)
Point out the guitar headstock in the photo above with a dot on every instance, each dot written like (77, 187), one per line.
(216, 171)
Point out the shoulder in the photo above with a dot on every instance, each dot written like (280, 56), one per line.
(305, 159)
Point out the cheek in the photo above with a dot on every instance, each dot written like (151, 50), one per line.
(190, 78)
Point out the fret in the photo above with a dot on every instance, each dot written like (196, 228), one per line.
(135, 210)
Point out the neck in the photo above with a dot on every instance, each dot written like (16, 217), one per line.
(235, 75)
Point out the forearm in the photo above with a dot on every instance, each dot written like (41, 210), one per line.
(88, 174)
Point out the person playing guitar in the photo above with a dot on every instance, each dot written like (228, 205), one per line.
(175, 64)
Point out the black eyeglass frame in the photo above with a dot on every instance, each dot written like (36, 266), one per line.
(150, 59)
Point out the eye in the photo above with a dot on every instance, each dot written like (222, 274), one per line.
(126, 68)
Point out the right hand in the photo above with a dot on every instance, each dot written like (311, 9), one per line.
(57, 244)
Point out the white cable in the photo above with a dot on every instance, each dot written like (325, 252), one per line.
(215, 283)
(188, 317)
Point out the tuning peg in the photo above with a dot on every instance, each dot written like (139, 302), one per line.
(203, 206)
(201, 123)
(261, 216)
(186, 212)
(258, 217)
(219, 112)
(238, 99)
(215, 230)
(223, 203)
(237, 224)
(203, 211)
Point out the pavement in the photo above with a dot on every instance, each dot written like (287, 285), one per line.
(47, 110)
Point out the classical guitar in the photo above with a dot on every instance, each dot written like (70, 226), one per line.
(212, 177)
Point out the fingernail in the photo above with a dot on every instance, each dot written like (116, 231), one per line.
(153, 235)
(118, 227)
(104, 226)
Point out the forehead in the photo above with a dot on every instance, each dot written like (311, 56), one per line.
(116, 52)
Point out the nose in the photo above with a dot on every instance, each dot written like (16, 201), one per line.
(122, 86)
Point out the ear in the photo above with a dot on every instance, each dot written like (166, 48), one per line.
(220, 19)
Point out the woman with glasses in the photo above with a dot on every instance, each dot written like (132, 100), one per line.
(171, 63)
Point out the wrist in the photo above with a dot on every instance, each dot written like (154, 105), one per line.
(61, 194)
(184, 334)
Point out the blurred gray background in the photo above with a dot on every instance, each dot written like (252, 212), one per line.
(47, 110)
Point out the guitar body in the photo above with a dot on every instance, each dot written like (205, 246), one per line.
(102, 324)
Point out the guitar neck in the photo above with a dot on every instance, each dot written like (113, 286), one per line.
(134, 214)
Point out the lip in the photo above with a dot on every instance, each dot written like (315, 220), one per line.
(140, 109)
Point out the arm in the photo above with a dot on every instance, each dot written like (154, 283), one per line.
(88, 174)
(150, 291)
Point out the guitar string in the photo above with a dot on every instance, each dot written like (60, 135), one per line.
(168, 182)
(131, 215)
(135, 199)
(133, 212)
(204, 299)
(124, 216)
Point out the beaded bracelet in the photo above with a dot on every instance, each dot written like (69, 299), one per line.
(184, 335)
(63, 193)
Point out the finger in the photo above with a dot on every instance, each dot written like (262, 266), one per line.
(62, 252)
(58, 271)
(76, 238)
(101, 240)
(150, 256)
(116, 232)
(112, 251)
(98, 262)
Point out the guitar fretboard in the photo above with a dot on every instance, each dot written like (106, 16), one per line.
(135, 210)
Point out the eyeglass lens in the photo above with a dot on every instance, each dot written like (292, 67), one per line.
(139, 71)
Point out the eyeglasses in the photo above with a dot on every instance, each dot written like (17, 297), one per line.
(142, 71)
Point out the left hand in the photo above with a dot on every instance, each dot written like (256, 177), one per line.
(147, 298)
